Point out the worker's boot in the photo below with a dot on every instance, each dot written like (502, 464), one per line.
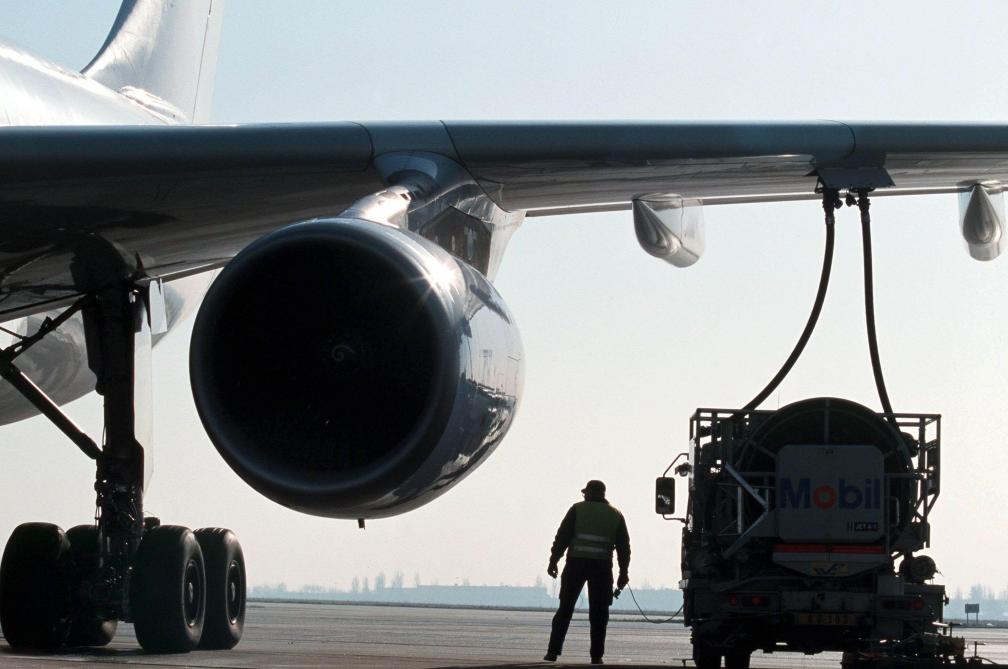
(550, 656)
(597, 660)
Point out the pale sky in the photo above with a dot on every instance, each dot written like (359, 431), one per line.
(620, 348)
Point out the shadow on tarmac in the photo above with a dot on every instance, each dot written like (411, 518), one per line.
(559, 663)
(75, 651)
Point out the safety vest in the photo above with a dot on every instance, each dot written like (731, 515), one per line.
(595, 528)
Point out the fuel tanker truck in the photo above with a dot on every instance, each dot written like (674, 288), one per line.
(802, 532)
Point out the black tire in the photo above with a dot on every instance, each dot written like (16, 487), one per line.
(225, 579)
(706, 656)
(737, 658)
(34, 596)
(168, 591)
(88, 628)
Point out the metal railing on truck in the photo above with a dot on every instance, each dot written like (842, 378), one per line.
(722, 444)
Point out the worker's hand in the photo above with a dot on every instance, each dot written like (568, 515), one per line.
(552, 570)
(622, 580)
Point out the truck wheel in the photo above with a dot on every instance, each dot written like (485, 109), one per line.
(737, 658)
(706, 657)
(851, 660)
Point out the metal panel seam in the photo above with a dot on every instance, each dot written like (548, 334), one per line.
(853, 149)
(464, 166)
(370, 139)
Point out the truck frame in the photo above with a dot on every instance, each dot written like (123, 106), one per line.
(794, 523)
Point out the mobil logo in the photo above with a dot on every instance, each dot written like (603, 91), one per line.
(800, 493)
(830, 493)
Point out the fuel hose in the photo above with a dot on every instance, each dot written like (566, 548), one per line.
(831, 202)
(869, 306)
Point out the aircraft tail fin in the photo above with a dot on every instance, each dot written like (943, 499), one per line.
(163, 54)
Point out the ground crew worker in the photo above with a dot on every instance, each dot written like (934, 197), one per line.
(589, 532)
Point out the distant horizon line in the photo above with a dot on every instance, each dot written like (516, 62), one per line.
(378, 584)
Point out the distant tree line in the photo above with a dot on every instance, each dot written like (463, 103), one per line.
(993, 606)
(382, 589)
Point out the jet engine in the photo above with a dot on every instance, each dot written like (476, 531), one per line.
(349, 369)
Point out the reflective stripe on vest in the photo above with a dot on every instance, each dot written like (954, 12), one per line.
(592, 537)
(595, 528)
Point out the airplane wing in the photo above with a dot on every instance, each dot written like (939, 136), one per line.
(549, 166)
(174, 200)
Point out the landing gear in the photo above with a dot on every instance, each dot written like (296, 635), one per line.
(181, 589)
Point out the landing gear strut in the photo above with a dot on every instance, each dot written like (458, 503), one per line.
(181, 589)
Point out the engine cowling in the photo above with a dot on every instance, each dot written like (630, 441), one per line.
(349, 369)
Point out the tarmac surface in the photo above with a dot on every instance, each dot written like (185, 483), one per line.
(365, 637)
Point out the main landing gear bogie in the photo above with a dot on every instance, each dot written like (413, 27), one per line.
(181, 589)
(186, 589)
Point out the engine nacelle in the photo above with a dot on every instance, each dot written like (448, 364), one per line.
(349, 369)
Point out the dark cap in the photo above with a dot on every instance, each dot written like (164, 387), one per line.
(594, 488)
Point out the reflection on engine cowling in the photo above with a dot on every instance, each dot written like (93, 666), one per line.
(353, 370)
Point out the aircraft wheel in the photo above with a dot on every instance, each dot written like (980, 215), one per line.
(225, 580)
(168, 590)
(87, 629)
(706, 656)
(34, 597)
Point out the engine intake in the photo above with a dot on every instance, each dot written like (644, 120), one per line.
(349, 369)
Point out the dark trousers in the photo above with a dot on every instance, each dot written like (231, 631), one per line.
(598, 574)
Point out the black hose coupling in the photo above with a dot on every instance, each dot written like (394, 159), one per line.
(863, 203)
(830, 203)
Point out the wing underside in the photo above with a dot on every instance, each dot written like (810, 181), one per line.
(179, 199)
